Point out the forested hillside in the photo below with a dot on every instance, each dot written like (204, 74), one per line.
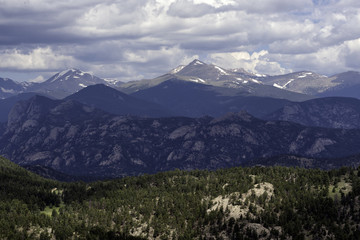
(235, 203)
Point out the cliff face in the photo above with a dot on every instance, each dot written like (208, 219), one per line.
(80, 140)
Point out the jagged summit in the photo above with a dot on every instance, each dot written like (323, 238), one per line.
(197, 62)
(69, 74)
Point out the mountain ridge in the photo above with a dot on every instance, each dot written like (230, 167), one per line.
(304, 82)
(329, 112)
(76, 139)
(116, 102)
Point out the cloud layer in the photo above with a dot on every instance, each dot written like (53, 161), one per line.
(130, 40)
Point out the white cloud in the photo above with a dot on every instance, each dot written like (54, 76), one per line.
(351, 54)
(145, 38)
(37, 59)
(257, 62)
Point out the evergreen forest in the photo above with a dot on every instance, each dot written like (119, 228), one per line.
(234, 203)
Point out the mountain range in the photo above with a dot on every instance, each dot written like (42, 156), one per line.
(306, 83)
(191, 117)
(60, 85)
(80, 140)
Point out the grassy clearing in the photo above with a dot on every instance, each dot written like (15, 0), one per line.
(48, 210)
(341, 187)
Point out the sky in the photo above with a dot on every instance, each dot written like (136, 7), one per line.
(137, 39)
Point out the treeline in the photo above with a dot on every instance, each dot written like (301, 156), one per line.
(294, 203)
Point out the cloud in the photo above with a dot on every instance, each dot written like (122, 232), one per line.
(256, 62)
(351, 54)
(37, 59)
(129, 39)
(188, 9)
(273, 6)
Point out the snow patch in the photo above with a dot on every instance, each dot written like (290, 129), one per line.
(290, 81)
(178, 69)
(305, 75)
(82, 85)
(60, 74)
(7, 90)
(111, 81)
(197, 80)
(260, 75)
(67, 71)
(197, 62)
(222, 71)
(284, 86)
(277, 86)
(255, 81)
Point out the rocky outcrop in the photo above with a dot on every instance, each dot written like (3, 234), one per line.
(76, 139)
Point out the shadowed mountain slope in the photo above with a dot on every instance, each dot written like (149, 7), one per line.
(116, 102)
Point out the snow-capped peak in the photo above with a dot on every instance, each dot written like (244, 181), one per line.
(197, 62)
(70, 73)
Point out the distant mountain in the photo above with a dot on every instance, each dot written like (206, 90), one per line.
(68, 82)
(192, 99)
(347, 85)
(79, 140)
(305, 82)
(116, 102)
(9, 88)
(208, 74)
(215, 75)
(331, 112)
(135, 86)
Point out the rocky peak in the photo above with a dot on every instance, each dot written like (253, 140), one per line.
(196, 62)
